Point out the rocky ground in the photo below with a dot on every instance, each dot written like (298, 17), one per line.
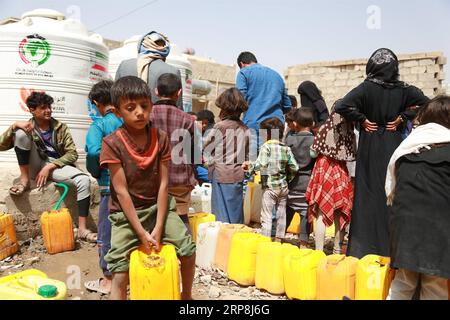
(76, 267)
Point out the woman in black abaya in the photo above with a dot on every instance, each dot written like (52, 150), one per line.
(380, 105)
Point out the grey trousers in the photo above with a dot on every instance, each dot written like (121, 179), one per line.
(405, 284)
(68, 174)
(274, 199)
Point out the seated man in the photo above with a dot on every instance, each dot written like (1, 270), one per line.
(45, 150)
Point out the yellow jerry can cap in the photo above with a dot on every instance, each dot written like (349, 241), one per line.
(48, 291)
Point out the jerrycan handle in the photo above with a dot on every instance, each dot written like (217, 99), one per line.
(383, 261)
(66, 190)
(335, 262)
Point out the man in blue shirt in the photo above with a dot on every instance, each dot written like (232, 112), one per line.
(263, 89)
(100, 96)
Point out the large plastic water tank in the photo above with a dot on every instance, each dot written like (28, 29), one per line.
(44, 51)
(129, 51)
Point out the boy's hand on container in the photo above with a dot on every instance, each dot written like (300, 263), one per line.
(146, 240)
(245, 165)
(156, 238)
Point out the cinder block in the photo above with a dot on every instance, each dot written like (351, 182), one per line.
(440, 76)
(442, 60)
(410, 64)
(308, 71)
(404, 71)
(426, 62)
(427, 77)
(334, 70)
(342, 76)
(356, 75)
(320, 70)
(435, 68)
(353, 83)
(340, 83)
(418, 70)
(329, 76)
(430, 84)
(409, 77)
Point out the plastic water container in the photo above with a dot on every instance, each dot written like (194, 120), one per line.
(300, 273)
(242, 261)
(336, 277)
(31, 285)
(223, 247)
(252, 203)
(373, 278)
(8, 239)
(57, 227)
(201, 198)
(269, 266)
(198, 218)
(294, 226)
(57, 231)
(154, 276)
(207, 236)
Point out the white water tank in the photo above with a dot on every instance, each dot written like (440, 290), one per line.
(44, 51)
(129, 51)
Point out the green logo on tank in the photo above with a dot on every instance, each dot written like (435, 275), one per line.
(34, 50)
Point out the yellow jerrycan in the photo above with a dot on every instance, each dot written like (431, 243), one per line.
(8, 239)
(373, 278)
(195, 219)
(242, 260)
(252, 203)
(57, 227)
(223, 246)
(154, 275)
(294, 226)
(269, 266)
(336, 277)
(31, 285)
(300, 274)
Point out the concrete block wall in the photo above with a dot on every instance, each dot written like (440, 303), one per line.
(220, 76)
(337, 78)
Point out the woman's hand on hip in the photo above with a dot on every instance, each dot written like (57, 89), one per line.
(369, 126)
(392, 126)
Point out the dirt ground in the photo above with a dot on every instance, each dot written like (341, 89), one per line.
(76, 267)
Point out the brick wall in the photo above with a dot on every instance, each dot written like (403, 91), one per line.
(337, 78)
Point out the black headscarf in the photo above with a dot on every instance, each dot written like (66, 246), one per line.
(382, 68)
(309, 93)
(311, 97)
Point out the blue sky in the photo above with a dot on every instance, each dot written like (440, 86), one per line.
(281, 33)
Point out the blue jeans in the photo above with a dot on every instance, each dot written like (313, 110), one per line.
(104, 233)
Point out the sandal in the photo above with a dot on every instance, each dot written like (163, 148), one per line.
(95, 286)
(20, 188)
(88, 236)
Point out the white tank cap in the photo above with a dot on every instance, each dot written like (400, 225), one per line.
(44, 13)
